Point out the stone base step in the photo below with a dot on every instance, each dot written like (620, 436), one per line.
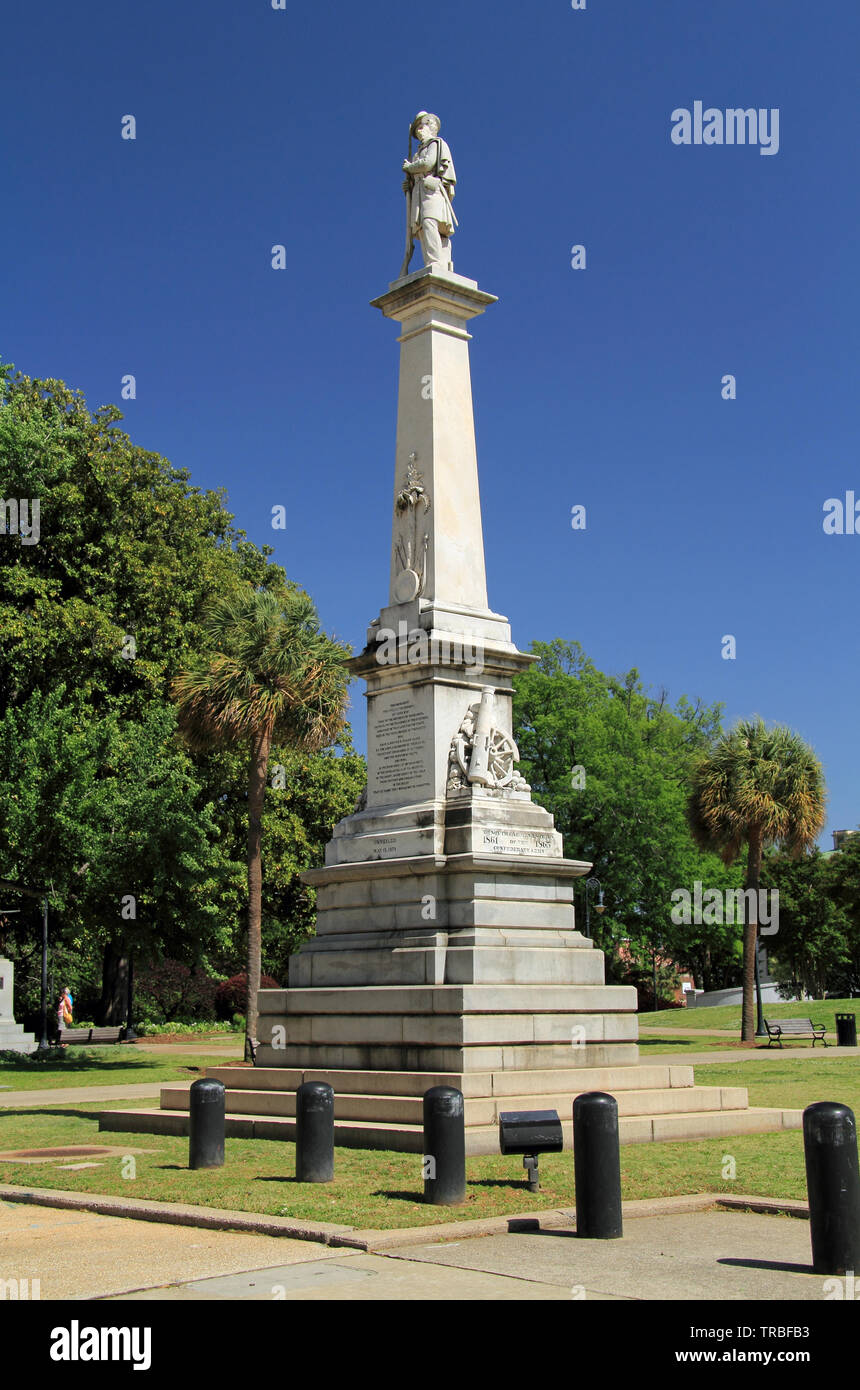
(565, 1079)
(14, 1039)
(397, 1002)
(420, 1058)
(355, 1134)
(409, 1110)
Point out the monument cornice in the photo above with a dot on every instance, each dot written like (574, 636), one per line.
(430, 289)
(419, 865)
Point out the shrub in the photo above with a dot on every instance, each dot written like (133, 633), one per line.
(51, 1054)
(231, 997)
(160, 1030)
(169, 990)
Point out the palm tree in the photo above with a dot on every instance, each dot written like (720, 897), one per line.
(756, 787)
(272, 677)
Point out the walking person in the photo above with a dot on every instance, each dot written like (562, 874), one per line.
(64, 1013)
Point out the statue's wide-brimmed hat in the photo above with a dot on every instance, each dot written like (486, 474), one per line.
(426, 116)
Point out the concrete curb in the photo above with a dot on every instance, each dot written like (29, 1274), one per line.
(558, 1218)
(175, 1213)
(768, 1206)
(370, 1241)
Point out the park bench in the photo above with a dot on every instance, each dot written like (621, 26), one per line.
(91, 1035)
(779, 1028)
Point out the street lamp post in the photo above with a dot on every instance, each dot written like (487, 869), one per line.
(760, 1030)
(598, 906)
(130, 1034)
(43, 1004)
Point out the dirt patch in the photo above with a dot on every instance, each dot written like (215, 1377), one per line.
(68, 1151)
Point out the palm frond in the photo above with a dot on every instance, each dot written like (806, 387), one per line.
(758, 780)
(270, 670)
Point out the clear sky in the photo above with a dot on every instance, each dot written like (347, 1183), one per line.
(600, 386)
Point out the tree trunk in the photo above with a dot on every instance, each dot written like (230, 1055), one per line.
(256, 793)
(114, 984)
(753, 879)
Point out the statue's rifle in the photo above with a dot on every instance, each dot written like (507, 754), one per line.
(410, 244)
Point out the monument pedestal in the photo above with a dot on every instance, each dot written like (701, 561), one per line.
(446, 950)
(12, 1035)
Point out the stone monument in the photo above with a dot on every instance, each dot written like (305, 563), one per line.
(446, 949)
(12, 1035)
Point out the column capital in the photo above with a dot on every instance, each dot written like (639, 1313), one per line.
(433, 290)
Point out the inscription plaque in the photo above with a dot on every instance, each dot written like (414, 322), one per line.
(401, 752)
(503, 841)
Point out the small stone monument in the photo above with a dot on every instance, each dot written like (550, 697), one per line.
(12, 1035)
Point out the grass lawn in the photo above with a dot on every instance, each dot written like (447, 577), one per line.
(383, 1190)
(106, 1066)
(729, 1015)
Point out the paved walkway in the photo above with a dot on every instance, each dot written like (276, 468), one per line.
(720, 1255)
(687, 1032)
(730, 1256)
(73, 1095)
(742, 1054)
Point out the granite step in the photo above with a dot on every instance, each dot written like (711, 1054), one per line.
(408, 1110)
(646, 1076)
(400, 1138)
(440, 1030)
(397, 1000)
(402, 1057)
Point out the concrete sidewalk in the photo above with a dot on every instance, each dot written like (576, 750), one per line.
(727, 1256)
(687, 1032)
(740, 1054)
(115, 1258)
(713, 1254)
(73, 1095)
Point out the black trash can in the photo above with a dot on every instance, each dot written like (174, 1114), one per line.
(846, 1030)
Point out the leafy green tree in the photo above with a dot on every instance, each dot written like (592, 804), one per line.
(105, 609)
(613, 764)
(756, 787)
(271, 676)
(109, 817)
(843, 885)
(811, 946)
(128, 549)
(306, 796)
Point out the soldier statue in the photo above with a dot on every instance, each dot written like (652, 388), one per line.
(429, 185)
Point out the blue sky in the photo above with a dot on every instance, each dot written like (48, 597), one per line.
(602, 387)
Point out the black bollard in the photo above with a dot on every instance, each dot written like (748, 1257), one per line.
(206, 1126)
(444, 1147)
(597, 1166)
(314, 1132)
(833, 1185)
